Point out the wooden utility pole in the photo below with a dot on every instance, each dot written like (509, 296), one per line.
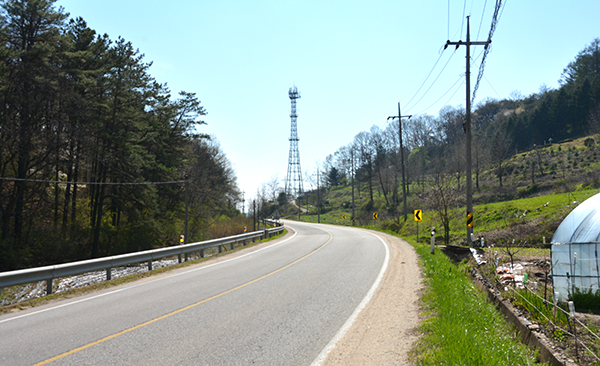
(468, 43)
(399, 116)
(318, 197)
(352, 172)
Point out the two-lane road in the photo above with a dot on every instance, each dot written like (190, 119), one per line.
(280, 304)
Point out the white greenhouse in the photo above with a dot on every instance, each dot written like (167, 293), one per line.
(575, 250)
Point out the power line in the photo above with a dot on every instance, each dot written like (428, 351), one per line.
(436, 78)
(487, 48)
(463, 18)
(448, 19)
(427, 77)
(481, 21)
(486, 79)
(91, 183)
(447, 91)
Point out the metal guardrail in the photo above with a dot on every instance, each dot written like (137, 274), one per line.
(49, 273)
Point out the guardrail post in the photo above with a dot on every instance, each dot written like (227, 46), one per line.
(232, 244)
(149, 265)
(201, 253)
(108, 274)
(49, 286)
(220, 248)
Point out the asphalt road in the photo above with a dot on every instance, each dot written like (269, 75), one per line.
(280, 304)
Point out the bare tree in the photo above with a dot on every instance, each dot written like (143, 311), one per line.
(457, 159)
(273, 188)
(500, 150)
(419, 131)
(442, 199)
(479, 156)
(511, 250)
(365, 157)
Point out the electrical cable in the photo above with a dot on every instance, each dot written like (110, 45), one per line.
(453, 94)
(91, 183)
(486, 79)
(463, 18)
(487, 48)
(449, 19)
(437, 77)
(427, 77)
(481, 21)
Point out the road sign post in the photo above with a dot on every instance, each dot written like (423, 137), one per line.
(418, 217)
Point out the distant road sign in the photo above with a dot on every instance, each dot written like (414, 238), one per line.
(344, 217)
(418, 215)
(375, 216)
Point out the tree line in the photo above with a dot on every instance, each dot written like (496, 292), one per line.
(79, 115)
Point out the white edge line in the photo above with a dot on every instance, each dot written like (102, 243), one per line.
(147, 282)
(368, 297)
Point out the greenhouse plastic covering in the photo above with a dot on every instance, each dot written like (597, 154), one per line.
(575, 247)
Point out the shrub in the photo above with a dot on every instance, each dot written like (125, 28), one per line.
(586, 299)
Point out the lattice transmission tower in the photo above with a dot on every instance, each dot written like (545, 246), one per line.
(293, 181)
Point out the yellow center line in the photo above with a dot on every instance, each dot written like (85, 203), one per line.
(179, 310)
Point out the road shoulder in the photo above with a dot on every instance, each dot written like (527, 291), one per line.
(385, 331)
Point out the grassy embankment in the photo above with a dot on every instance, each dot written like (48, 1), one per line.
(461, 327)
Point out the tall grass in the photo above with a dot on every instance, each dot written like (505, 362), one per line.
(462, 327)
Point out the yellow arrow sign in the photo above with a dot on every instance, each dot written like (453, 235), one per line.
(418, 215)
(375, 216)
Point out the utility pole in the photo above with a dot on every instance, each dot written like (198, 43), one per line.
(468, 43)
(399, 116)
(353, 217)
(318, 198)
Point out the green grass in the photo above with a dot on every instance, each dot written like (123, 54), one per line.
(539, 310)
(462, 327)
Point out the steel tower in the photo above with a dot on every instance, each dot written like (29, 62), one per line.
(293, 181)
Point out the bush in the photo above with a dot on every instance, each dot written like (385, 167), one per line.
(529, 190)
(586, 299)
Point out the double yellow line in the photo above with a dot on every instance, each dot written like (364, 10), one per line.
(78, 349)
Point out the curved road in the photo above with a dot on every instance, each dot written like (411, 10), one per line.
(279, 304)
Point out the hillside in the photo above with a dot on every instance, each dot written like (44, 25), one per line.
(539, 188)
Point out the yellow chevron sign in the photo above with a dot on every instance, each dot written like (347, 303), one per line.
(418, 215)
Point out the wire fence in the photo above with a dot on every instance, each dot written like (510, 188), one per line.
(570, 316)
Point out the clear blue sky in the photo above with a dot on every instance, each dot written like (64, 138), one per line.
(352, 62)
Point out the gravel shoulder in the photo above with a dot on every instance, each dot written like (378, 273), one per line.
(385, 331)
